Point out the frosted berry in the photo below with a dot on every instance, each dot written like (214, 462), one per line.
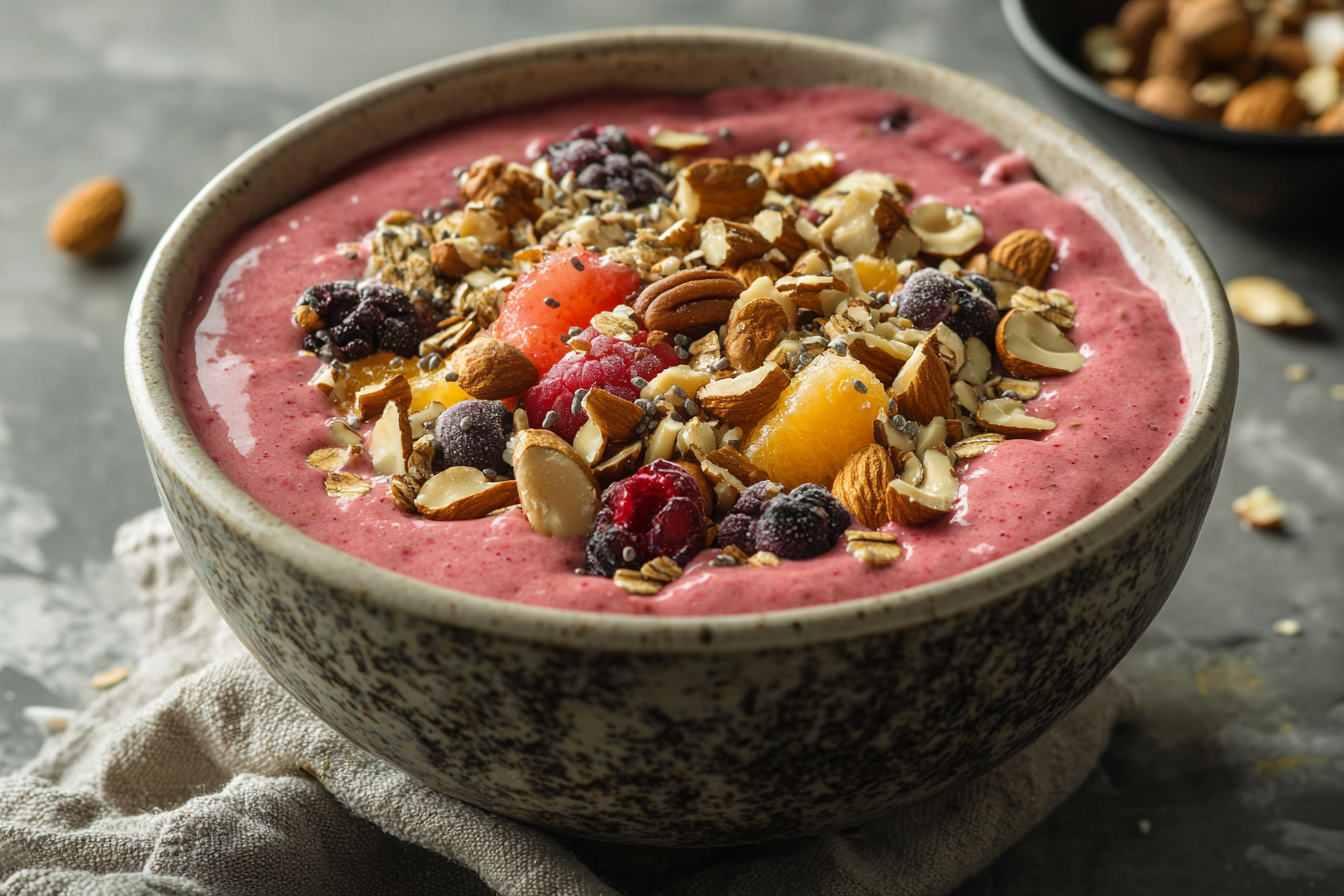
(795, 525)
(926, 298)
(606, 159)
(655, 513)
(974, 315)
(609, 364)
(473, 434)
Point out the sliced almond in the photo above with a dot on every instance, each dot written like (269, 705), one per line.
(803, 173)
(945, 230)
(748, 272)
(975, 369)
(1267, 302)
(747, 397)
(882, 356)
(810, 291)
(679, 141)
(863, 223)
(950, 347)
(875, 549)
(1054, 305)
(617, 326)
(965, 395)
(492, 370)
(661, 569)
(696, 439)
(423, 420)
(449, 338)
(557, 488)
(922, 387)
(330, 459)
(463, 493)
(343, 433)
(753, 329)
(590, 443)
(1027, 253)
(344, 484)
(682, 375)
(371, 400)
(330, 381)
(620, 465)
(974, 446)
(663, 441)
(1030, 346)
(1008, 417)
(1259, 508)
(613, 415)
(683, 235)
(861, 485)
(931, 435)
(737, 463)
(706, 493)
(913, 506)
(390, 441)
(455, 258)
(781, 232)
(718, 188)
(727, 487)
(728, 243)
(1023, 390)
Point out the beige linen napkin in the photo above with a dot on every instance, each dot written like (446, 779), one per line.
(199, 775)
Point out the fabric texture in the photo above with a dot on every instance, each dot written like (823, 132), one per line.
(199, 776)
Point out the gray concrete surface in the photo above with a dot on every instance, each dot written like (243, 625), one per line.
(1235, 769)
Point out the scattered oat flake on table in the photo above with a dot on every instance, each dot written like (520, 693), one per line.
(1259, 508)
(110, 677)
(1267, 302)
(1297, 373)
(1337, 392)
(1289, 628)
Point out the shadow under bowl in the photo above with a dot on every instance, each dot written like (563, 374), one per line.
(1278, 178)
(696, 730)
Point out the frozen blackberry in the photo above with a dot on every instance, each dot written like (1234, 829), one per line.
(607, 159)
(926, 299)
(979, 284)
(974, 315)
(473, 434)
(655, 513)
(332, 301)
(795, 525)
(382, 320)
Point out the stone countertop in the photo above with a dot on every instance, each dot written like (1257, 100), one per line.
(1232, 780)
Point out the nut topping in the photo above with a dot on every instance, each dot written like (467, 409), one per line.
(371, 400)
(717, 188)
(1031, 346)
(615, 417)
(1259, 509)
(922, 387)
(463, 493)
(946, 230)
(689, 302)
(511, 190)
(1007, 417)
(1267, 302)
(492, 370)
(727, 243)
(390, 441)
(861, 485)
(557, 488)
(1054, 305)
(753, 329)
(1027, 253)
(746, 398)
(933, 496)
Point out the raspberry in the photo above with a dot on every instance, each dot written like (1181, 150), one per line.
(655, 513)
(975, 315)
(360, 321)
(609, 365)
(534, 325)
(607, 160)
(795, 525)
(926, 298)
(473, 434)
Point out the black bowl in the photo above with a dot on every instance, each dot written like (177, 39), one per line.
(1269, 177)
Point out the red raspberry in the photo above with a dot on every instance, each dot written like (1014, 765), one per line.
(564, 290)
(609, 365)
(655, 513)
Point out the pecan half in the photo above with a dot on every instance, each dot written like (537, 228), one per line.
(689, 302)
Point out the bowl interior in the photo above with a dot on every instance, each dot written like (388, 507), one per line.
(314, 148)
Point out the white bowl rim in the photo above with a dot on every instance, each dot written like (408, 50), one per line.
(167, 433)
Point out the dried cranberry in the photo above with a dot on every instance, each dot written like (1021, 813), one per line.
(381, 318)
(926, 298)
(655, 513)
(473, 434)
(332, 301)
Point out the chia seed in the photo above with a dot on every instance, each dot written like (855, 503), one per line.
(783, 148)
(448, 203)
(692, 407)
(860, 387)
(840, 348)
(638, 382)
(754, 179)
(352, 255)
(722, 364)
(553, 303)
(575, 331)
(682, 353)
(681, 339)
(431, 361)
(450, 376)
(578, 265)
(628, 554)
(1010, 394)
(490, 474)
(550, 420)
(726, 133)
(679, 393)
(464, 424)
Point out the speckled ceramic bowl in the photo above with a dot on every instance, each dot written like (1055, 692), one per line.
(683, 731)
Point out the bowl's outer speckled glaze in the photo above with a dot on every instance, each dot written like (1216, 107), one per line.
(703, 730)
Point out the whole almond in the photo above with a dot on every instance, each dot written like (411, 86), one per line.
(753, 329)
(492, 370)
(718, 188)
(1171, 57)
(1137, 22)
(1027, 253)
(1266, 105)
(1169, 97)
(861, 485)
(1220, 29)
(85, 220)
(1288, 53)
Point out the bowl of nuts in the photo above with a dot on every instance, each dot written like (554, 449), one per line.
(1241, 98)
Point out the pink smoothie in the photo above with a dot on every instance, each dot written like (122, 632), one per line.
(244, 383)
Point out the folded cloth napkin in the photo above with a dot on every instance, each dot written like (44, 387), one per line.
(199, 775)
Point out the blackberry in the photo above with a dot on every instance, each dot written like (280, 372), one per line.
(926, 299)
(795, 525)
(380, 319)
(607, 159)
(979, 284)
(974, 315)
(473, 434)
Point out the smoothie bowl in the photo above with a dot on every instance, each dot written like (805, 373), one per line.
(853, 456)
